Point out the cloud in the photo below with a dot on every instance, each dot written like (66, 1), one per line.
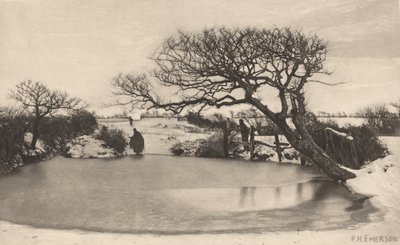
(79, 46)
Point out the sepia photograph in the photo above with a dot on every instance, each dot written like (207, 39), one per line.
(199, 122)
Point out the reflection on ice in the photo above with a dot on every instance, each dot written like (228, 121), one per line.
(165, 194)
(247, 198)
(247, 192)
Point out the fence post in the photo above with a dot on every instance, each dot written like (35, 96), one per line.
(354, 155)
(252, 129)
(278, 146)
(326, 142)
(341, 149)
(225, 131)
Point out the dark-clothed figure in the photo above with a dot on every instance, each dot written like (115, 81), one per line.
(244, 130)
(137, 142)
(130, 120)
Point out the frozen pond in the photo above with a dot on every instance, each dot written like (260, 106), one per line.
(174, 195)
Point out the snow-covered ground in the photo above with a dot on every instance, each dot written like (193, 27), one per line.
(160, 133)
(379, 179)
(89, 147)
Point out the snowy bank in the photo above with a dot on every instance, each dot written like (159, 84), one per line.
(89, 147)
(381, 178)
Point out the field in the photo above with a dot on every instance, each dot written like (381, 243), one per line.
(159, 133)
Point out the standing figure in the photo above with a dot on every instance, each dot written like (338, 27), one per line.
(137, 142)
(130, 120)
(244, 130)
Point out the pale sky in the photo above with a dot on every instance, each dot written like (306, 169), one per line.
(79, 46)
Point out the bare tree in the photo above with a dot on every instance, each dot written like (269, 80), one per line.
(41, 101)
(224, 67)
(380, 118)
(396, 105)
(375, 114)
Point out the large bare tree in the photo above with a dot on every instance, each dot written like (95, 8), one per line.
(220, 67)
(41, 101)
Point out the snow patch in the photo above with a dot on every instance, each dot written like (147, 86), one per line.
(344, 135)
(380, 178)
(39, 149)
(89, 147)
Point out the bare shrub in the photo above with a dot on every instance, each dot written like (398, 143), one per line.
(113, 138)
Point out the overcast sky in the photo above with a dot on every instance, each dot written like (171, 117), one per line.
(78, 46)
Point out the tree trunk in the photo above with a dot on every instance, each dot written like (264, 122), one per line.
(251, 143)
(302, 141)
(322, 160)
(35, 133)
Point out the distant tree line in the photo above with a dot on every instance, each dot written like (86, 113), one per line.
(156, 114)
(215, 120)
(380, 119)
(370, 111)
